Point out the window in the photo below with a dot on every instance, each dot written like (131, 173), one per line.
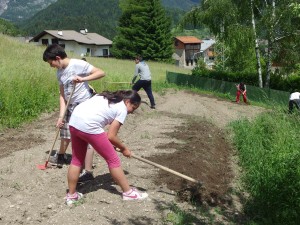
(105, 52)
(45, 42)
(54, 41)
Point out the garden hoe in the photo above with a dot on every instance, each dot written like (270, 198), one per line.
(44, 166)
(165, 168)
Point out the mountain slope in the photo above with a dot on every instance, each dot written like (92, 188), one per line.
(180, 4)
(99, 16)
(22, 9)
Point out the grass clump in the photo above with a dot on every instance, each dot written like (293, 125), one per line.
(268, 149)
(27, 88)
(177, 216)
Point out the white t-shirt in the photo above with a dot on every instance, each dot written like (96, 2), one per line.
(94, 114)
(295, 95)
(76, 67)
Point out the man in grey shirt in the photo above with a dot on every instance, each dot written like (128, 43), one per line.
(142, 69)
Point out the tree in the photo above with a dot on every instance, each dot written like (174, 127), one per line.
(235, 40)
(8, 28)
(246, 15)
(275, 25)
(143, 29)
(257, 52)
(273, 22)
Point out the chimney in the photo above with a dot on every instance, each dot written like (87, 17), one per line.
(60, 32)
(83, 31)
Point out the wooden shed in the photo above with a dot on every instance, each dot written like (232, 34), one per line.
(186, 47)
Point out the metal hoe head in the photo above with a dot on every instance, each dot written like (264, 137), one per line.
(42, 166)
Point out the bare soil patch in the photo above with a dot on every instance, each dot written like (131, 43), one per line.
(185, 133)
(203, 155)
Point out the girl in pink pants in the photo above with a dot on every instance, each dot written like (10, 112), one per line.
(87, 125)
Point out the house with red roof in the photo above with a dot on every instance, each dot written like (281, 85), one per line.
(186, 48)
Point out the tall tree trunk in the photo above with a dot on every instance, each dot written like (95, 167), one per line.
(269, 63)
(260, 82)
(270, 46)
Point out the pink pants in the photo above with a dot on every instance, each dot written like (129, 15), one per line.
(99, 142)
(238, 93)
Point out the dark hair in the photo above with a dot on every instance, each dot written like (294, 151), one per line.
(52, 51)
(84, 59)
(139, 57)
(117, 96)
(242, 86)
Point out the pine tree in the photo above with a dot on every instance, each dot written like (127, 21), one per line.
(143, 29)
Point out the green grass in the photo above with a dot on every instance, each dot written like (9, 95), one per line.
(176, 216)
(268, 149)
(29, 86)
(27, 89)
(122, 71)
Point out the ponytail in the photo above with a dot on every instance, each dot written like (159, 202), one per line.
(117, 96)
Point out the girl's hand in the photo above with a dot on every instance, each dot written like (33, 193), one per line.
(60, 123)
(126, 152)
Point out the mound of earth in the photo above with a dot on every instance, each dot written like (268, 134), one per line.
(202, 154)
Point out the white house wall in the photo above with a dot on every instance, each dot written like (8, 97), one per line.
(47, 36)
(179, 56)
(72, 46)
(98, 51)
(81, 49)
(76, 48)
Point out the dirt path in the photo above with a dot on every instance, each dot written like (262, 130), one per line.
(185, 133)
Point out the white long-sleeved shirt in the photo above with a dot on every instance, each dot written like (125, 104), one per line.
(295, 95)
(142, 69)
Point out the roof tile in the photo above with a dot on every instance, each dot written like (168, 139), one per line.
(189, 40)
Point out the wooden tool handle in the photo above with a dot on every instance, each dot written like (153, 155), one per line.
(163, 168)
(58, 129)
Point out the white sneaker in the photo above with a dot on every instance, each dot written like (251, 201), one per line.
(135, 195)
(73, 199)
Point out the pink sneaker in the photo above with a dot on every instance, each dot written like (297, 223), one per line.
(73, 199)
(135, 195)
